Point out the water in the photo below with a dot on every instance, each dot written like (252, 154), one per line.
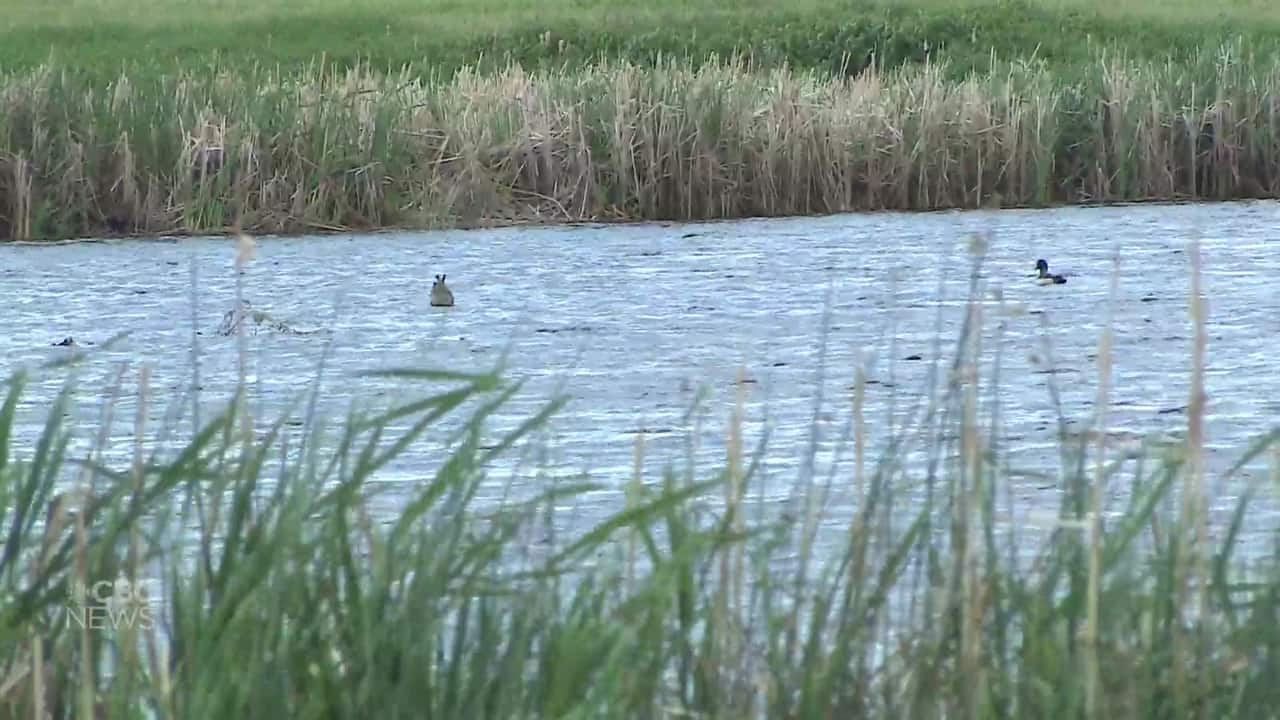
(630, 321)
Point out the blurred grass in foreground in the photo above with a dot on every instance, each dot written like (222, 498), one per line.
(285, 596)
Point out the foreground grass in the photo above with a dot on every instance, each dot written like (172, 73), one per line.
(101, 37)
(270, 153)
(286, 596)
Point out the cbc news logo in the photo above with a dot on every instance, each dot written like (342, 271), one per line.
(112, 604)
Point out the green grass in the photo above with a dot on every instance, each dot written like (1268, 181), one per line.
(441, 35)
(289, 597)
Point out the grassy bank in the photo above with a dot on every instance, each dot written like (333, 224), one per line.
(270, 153)
(99, 37)
(285, 595)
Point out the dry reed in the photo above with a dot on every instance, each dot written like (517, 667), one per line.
(272, 154)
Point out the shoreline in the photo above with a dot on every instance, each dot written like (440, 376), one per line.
(499, 224)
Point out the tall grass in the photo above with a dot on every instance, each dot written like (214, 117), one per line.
(271, 153)
(286, 595)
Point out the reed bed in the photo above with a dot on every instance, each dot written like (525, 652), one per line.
(285, 595)
(270, 153)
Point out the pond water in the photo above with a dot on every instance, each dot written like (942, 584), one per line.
(630, 321)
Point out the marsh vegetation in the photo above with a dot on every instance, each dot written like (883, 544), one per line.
(201, 152)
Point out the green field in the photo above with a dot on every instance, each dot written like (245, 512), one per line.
(101, 36)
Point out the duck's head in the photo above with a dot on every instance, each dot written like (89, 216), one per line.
(1042, 267)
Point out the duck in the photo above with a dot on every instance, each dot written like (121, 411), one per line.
(441, 295)
(1044, 278)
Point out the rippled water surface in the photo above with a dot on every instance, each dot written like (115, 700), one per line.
(630, 322)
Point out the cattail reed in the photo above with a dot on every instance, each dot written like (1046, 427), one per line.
(616, 141)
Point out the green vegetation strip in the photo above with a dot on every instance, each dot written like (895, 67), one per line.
(102, 38)
(286, 594)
